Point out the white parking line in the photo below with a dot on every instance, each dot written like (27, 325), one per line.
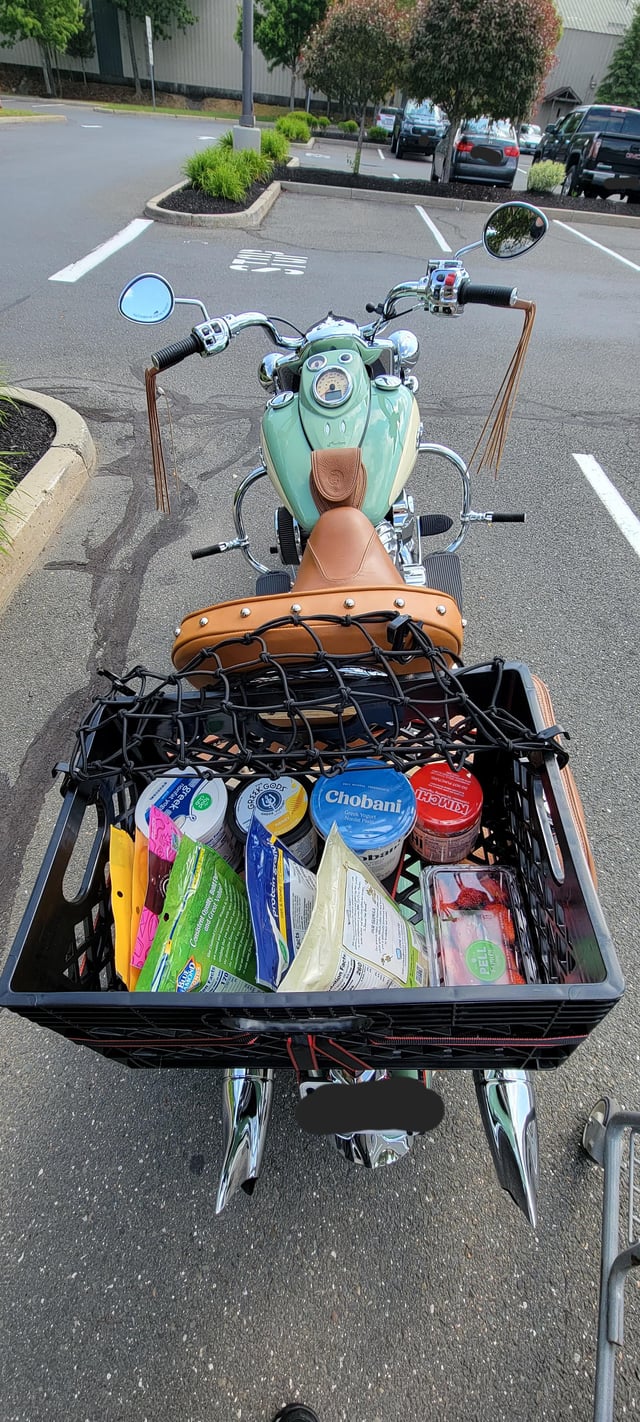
(206, 137)
(599, 245)
(522, 170)
(620, 512)
(444, 246)
(381, 154)
(91, 125)
(78, 269)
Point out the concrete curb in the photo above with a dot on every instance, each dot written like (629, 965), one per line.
(40, 501)
(5, 117)
(453, 204)
(251, 217)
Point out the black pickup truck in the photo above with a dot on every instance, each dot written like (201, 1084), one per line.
(599, 145)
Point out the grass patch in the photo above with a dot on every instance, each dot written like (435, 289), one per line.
(16, 113)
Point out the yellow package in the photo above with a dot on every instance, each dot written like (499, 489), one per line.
(121, 856)
(138, 894)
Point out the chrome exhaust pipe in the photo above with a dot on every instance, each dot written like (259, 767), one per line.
(508, 1110)
(246, 1107)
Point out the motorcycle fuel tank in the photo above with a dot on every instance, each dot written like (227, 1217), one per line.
(340, 406)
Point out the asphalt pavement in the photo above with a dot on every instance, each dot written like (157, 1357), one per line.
(407, 1293)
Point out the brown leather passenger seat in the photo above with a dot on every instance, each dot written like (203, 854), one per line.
(343, 550)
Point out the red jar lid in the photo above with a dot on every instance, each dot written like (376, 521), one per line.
(448, 801)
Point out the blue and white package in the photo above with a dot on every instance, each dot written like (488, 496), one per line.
(281, 898)
(373, 807)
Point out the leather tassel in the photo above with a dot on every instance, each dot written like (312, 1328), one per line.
(493, 437)
(159, 469)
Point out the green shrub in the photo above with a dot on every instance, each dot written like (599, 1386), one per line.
(198, 165)
(226, 141)
(378, 135)
(293, 129)
(275, 145)
(257, 166)
(300, 114)
(319, 121)
(228, 173)
(349, 126)
(544, 177)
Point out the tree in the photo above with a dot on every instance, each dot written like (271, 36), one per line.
(165, 15)
(82, 44)
(356, 54)
(281, 29)
(476, 57)
(50, 22)
(621, 84)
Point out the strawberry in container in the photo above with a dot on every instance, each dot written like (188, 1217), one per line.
(476, 927)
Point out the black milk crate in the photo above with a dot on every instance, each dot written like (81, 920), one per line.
(60, 972)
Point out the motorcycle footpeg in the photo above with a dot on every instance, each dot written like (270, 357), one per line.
(268, 584)
(432, 524)
(443, 573)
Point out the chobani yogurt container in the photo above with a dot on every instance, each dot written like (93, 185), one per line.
(449, 811)
(198, 807)
(282, 806)
(374, 808)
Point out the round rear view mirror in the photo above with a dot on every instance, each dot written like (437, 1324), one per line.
(513, 229)
(147, 299)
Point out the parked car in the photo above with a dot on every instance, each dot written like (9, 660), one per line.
(599, 145)
(484, 151)
(417, 128)
(385, 117)
(529, 136)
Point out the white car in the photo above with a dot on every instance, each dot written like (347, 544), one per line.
(385, 118)
(529, 136)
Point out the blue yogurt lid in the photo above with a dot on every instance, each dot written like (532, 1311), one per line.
(372, 805)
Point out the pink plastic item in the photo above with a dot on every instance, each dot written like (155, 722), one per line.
(164, 839)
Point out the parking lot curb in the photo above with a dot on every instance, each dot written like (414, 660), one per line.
(454, 204)
(39, 502)
(251, 217)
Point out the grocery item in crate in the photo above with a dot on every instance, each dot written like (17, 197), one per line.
(356, 938)
(197, 806)
(281, 894)
(138, 891)
(448, 813)
(282, 806)
(164, 839)
(476, 926)
(374, 808)
(204, 941)
(121, 875)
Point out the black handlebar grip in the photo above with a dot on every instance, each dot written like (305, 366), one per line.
(473, 293)
(508, 518)
(172, 355)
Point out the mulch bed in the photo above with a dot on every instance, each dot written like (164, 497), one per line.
(191, 200)
(25, 435)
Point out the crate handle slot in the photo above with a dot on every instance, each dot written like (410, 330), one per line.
(543, 816)
(290, 1026)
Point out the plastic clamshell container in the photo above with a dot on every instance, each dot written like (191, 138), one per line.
(476, 926)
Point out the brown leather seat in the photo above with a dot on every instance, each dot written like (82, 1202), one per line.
(344, 551)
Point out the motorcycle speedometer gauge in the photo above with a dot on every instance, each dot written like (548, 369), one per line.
(332, 386)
